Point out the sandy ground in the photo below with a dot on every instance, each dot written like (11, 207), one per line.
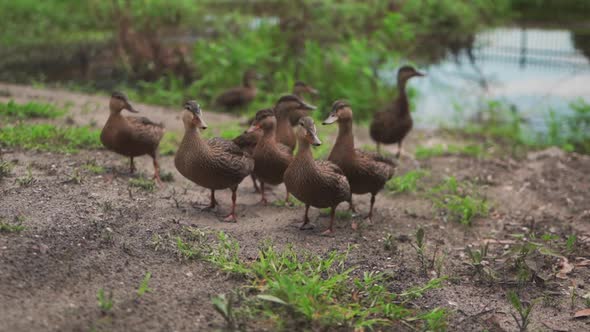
(99, 234)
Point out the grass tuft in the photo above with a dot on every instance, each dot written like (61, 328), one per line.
(30, 110)
(405, 183)
(11, 228)
(457, 202)
(424, 152)
(143, 183)
(5, 169)
(47, 137)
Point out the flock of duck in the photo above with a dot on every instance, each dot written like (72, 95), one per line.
(266, 150)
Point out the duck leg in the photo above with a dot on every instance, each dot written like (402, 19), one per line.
(370, 216)
(157, 171)
(330, 229)
(131, 165)
(213, 202)
(305, 220)
(256, 188)
(231, 217)
(263, 200)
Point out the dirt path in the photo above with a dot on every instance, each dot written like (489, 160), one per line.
(102, 233)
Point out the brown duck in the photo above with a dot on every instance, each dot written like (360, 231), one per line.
(271, 158)
(288, 108)
(214, 164)
(317, 183)
(366, 172)
(239, 97)
(300, 88)
(391, 125)
(131, 136)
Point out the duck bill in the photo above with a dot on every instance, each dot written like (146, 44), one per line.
(331, 119)
(199, 122)
(312, 90)
(314, 139)
(307, 107)
(130, 108)
(253, 128)
(418, 73)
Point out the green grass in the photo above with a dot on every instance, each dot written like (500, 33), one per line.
(169, 144)
(93, 168)
(47, 137)
(425, 152)
(143, 184)
(5, 169)
(30, 110)
(340, 214)
(10, 228)
(289, 289)
(144, 285)
(458, 201)
(405, 183)
(105, 302)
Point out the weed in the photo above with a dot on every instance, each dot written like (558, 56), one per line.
(11, 228)
(522, 308)
(105, 303)
(143, 184)
(570, 243)
(29, 110)
(166, 176)
(75, 177)
(480, 263)
(420, 248)
(452, 199)
(143, 286)
(26, 180)
(47, 137)
(224, 307)
(5, 169)
(389, 243)
(340, 214)
(405, 183)
(94, 168)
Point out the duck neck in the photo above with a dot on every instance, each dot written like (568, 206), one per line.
(249, 83)
(283, 127)
(192, 139)
(269, 135)
(345, 140)
(304, 151)
(402, 96)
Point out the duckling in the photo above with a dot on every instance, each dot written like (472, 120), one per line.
(288, 108)
(317, 183)
(271, 158)
(366, 172)
(131, 136)
(391, 125)
(240, 97)
(214, 164)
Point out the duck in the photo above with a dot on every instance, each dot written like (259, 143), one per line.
(366, 172)
(131, 136)
(317, 183)
(301, 88)
(239, 97)
(286, 109)
(247, 142)
(391, 125)
(271, 158)
(215, 163)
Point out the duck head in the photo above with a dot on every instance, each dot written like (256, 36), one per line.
(307, 131)
(406, 72)
(250, 77)
(341, 112)
(265, 120)
(193, 116)
(300, 87)
(293, 107)
(120, 102)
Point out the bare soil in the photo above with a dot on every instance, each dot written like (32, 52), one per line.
(99, 234)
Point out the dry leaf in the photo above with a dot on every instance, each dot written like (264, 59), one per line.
(554, 327)
(583, 262)
(582, 313)
(566, 268)
(494, 241)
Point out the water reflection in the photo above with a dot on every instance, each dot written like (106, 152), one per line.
(534, 69)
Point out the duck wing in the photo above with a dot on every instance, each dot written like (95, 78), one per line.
(247, 141)
(232, 98)
(230, 157)
(376, 164)
(145, 130)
